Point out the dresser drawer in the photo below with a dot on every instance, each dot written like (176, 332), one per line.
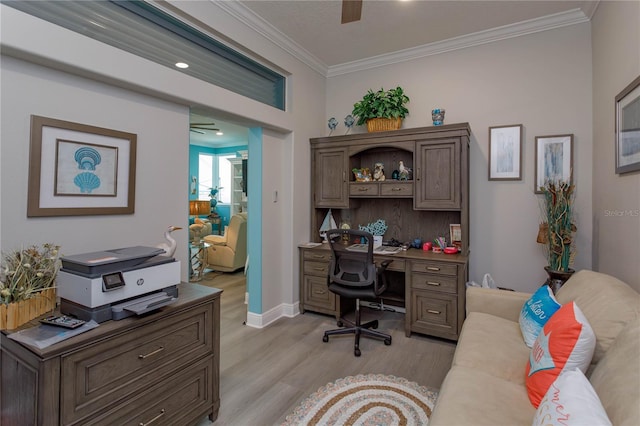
(110, 371)
(315, 268)
(181, 399)
(434, 282)
(396, 189)
(317, 255)
(364, 189)
(439, 268)
(434, 313)
(316, 293)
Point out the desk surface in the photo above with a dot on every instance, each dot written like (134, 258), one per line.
(412, 253)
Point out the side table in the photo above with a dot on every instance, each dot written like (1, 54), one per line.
(216, 220)
(198, 259)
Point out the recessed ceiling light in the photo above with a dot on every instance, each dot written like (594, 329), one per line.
(182, 65)
(219, 133)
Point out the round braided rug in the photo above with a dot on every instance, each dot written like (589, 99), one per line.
(372, 399)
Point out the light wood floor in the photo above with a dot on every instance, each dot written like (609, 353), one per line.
(265, 373)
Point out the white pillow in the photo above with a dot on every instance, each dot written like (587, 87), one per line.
(536, 312)
(571, 401)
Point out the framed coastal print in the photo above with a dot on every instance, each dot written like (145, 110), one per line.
(77, 169)
(627, 122)
(505, 152)
(554, 160)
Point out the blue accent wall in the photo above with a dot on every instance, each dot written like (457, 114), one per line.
(254, 221)
(194, 169)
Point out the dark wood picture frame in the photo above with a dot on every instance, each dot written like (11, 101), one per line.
(554, 160)
(77, 170)
(627, 128)
(505, 152)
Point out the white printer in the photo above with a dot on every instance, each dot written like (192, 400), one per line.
(117, 283)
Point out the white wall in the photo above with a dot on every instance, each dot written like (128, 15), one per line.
(616, 198)
(161, 199)
(542, 81)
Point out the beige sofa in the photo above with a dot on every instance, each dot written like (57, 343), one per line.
(486, 383)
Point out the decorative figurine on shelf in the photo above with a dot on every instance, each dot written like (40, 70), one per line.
(403, 171)
(395, 175)
(378, 172)
(333, 123)
(362, 175)
(438, 116)
(348, 122)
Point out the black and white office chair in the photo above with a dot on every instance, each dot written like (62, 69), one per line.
(353, 274)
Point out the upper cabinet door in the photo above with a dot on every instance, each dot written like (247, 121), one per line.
(331, 177)
(437, 175)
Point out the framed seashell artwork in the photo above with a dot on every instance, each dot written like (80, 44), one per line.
(77, 169)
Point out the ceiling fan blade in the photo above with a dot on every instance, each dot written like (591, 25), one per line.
(196, 131)
(351, 10)
(211, 129)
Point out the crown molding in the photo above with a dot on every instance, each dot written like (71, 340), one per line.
(268, 31)
(558, 20)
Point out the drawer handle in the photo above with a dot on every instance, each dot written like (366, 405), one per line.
(431, 311)
(396, 189)
(160, 349)
(318, 269)
(318, 256)
(432, 268)
(153, 419)
(433, 283)
(363, 189)
(319, 292)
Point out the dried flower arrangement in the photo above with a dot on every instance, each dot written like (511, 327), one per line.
(557, 231)
(27, 272)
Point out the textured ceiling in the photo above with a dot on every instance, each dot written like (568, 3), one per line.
(392, 25)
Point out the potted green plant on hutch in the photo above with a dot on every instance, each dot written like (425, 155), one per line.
(381, 110)
(558, 230)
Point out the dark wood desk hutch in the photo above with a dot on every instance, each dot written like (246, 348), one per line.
(430, 286)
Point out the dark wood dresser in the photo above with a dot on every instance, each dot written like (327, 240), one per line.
(161, 368)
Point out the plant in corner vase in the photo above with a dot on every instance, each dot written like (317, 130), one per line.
(558, 229)
(383, 104)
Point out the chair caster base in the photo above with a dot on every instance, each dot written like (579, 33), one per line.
(387, 341)
(357, 352)
(325, 339)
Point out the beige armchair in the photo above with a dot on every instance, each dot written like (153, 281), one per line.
(228, 252)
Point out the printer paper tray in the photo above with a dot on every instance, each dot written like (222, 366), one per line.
(141, 305)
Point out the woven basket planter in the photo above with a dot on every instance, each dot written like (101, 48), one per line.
(15, 314)
(383, 124)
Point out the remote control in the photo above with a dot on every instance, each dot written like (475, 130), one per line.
(62, 321)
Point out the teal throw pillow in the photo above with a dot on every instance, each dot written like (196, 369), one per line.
(536, 312)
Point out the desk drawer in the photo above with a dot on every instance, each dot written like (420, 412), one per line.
(395, 265)
(182, 399)
(434, 313)
(434, 282)
(316, 268)
(316, 293)
(317, 255)
(130, 363)
(439, 268)
(363, 189)
(396, 189)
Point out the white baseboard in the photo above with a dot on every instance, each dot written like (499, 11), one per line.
(262, 320)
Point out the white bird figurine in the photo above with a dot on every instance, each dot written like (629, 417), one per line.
(170, 246)
(403, 171)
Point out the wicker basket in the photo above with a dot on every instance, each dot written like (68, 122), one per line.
(15, 314)
(383, 124)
